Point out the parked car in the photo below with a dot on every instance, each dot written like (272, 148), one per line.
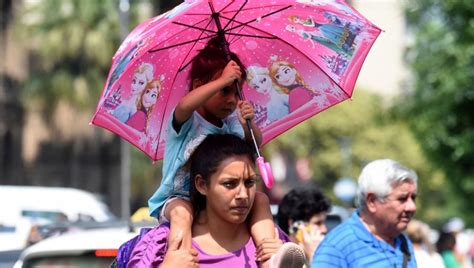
(52, 204)
(26, 210)
(85, 248)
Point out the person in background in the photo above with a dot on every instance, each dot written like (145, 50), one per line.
(446, 244)
(456, 226)
(302, 214)
(373, 236)
(425, 252)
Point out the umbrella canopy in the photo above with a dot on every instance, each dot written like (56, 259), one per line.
(302, 57)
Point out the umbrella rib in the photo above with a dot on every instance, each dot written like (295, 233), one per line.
(180, 44)
(253, 36)
(242, 24)
(235, 13)
(194, 27)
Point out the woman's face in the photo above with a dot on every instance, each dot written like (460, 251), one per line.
(231, 190)
(286, 75)
(261, 83)
(149, 98)
(138, 83)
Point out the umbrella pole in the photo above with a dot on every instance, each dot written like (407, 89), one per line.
(264, 167)
(225, 46)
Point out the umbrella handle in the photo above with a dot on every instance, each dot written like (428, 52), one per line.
(265, 171)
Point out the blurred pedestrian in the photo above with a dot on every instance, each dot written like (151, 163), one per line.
(445, 245)
(463, 240)
(302, 215)
(373, 237)
(425, 252)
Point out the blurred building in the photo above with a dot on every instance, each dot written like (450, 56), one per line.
(32, 152)
(384, 71)
(11, 111)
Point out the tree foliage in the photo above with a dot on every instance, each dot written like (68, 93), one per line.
(71, 43)
(373, 134)
(440, 105)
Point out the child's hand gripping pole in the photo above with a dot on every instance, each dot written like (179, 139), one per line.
(264, 167)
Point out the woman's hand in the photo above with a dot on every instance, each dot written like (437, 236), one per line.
(312, 237)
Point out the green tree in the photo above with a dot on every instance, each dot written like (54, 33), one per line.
(373, 134)
(70, 45)
(440, 105)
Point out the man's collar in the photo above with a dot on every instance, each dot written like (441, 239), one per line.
(365, 235)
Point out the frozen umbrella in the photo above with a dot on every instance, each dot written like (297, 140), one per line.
(302, 57)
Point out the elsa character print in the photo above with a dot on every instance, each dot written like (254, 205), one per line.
(290, 81)
(335, 35)
(145, 105)
(143, 74)
(259, 79)
(119, 67)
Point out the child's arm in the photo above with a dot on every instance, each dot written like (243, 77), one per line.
(262, 229)
(247, 112)
(202, 92)
(179, 212)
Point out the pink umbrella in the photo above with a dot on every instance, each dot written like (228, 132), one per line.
(302, 57)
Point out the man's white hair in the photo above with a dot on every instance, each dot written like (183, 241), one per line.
(379, 177)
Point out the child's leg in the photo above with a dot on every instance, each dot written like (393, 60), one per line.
(261, 221)
(180, 214)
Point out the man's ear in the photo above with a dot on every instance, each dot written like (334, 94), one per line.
(370, 200)
(201, 185)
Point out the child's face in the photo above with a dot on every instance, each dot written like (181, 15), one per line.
(261, 83)
(149, 98)
(285, 76)
(221, 105)
(138, 83)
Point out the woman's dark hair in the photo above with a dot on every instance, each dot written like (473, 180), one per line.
(207, 157)
(210, 60)
(300, 204)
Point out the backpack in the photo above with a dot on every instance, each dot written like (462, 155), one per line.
(126, 249)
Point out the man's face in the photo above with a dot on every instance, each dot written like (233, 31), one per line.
(319, 221)
(396, 210)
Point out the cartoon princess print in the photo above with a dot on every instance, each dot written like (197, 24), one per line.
(143, 74)
(119, 67)
(259, 79)
(287, 77)
(337, 64)
(145, 105)
(336, 35)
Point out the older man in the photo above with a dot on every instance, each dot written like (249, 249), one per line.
(373, 237)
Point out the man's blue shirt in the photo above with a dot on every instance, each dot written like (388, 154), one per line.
(351, 245)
